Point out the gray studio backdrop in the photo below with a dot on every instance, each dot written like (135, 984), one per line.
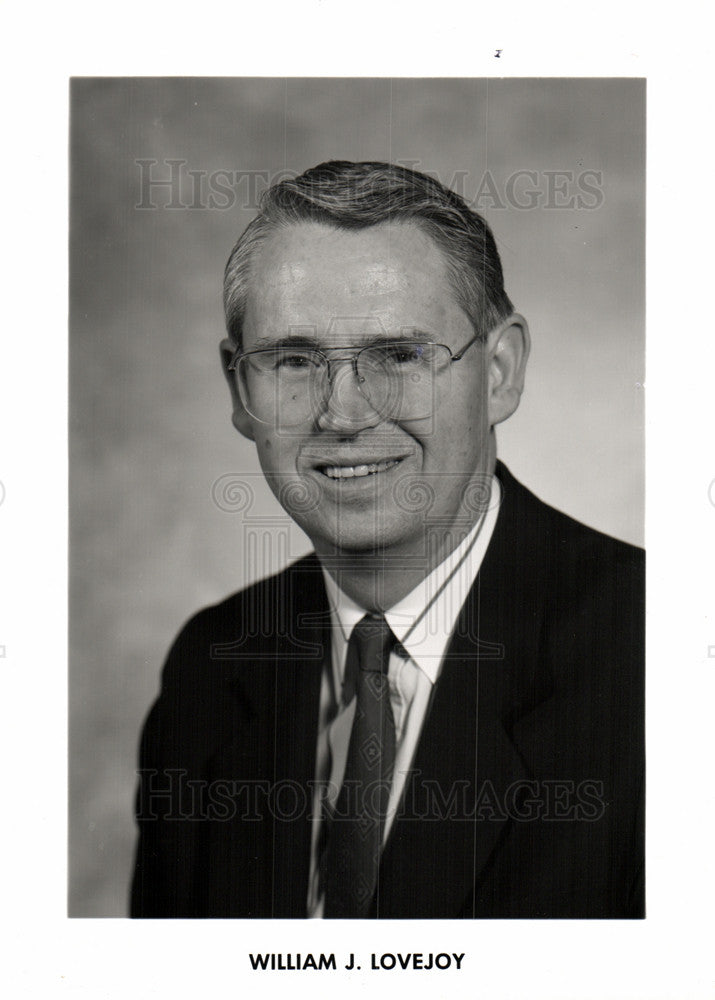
(163, 491)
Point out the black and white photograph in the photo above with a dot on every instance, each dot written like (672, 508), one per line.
(437, 710)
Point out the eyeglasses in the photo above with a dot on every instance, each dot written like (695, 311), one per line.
(288, 385)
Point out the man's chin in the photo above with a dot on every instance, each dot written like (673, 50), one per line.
(359, 541)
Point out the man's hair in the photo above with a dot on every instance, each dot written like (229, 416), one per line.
(355, 196)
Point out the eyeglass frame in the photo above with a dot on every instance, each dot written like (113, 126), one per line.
(239, 354)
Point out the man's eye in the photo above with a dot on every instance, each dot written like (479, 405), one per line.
(403, 354)
(295, 362)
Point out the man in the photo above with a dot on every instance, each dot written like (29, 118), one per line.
(440, 712)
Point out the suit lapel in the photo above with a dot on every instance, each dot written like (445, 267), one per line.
(279, 690)
(456, 812)
(295, 725)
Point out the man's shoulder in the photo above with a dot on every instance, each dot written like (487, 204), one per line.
(573, 579)
(556, 537)
(579, 591)
(287, 583)
(576, 597)
(250, 620)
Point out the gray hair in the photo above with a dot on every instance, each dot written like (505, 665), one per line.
(348, 196)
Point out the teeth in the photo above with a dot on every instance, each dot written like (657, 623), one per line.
(357, 471)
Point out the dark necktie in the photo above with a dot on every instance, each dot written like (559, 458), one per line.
(358, 823)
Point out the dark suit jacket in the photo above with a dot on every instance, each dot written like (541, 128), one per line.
(526, 796)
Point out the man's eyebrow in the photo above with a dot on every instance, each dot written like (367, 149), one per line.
(404, 336)
(292, 340)
(306, 340)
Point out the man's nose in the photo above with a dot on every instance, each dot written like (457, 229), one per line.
(345, 408)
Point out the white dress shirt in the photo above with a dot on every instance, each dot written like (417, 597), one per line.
(423, 623)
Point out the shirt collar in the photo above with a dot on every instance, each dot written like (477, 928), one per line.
(424, 620)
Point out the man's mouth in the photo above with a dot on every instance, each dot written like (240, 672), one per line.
(358, 471)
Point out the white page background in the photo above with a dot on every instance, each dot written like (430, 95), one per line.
(46, 954)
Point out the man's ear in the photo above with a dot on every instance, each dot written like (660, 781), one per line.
(239, 418)
(508, 347)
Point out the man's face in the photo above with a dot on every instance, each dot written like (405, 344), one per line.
(345, 289)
